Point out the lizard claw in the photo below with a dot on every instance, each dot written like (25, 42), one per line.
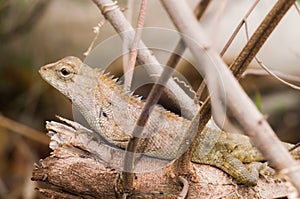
(185, 188)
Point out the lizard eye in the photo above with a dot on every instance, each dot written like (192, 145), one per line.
(65, 72)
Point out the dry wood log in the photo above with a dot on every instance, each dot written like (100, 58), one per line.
(76, 169)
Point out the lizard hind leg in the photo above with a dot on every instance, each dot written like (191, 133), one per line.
(246, 174)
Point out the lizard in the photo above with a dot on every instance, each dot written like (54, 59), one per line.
(111, 112)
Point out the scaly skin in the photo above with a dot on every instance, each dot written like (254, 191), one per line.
(111, 112)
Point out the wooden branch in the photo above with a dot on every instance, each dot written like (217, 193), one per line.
(209, 61)
(76, 169)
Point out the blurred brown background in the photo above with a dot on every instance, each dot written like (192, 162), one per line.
(36, 32)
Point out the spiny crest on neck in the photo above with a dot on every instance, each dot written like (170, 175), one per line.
(114, 84)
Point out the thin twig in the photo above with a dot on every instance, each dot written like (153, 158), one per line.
(238, 28)
(128, 177)
(259, 71)
(24, 130)
(200, 90)
(128, 69)
(297, 7)
(204, 115)
(254, 124)
(129, 16)
(184, 192)
(201, 8)
(294, 147)
(97, 33)
(261, 64)
(274, 75)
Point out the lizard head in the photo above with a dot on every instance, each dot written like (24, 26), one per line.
(68, 76)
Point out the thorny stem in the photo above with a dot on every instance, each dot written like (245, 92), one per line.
(134, 49)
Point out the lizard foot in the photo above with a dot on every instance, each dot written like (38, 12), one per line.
(267, 172)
